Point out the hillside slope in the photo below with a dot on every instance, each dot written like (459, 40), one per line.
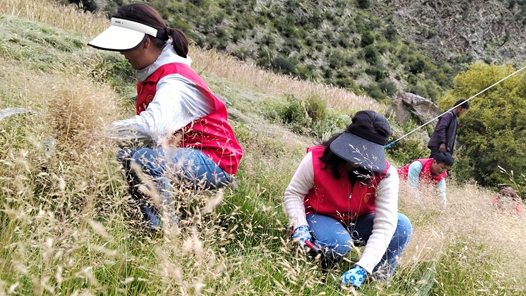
(379, 48)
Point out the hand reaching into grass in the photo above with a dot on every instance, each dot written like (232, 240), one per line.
(354, 277)
(301, 235)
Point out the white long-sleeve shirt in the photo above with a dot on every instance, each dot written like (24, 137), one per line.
(176, 103)
(413, 179)
(386, 209)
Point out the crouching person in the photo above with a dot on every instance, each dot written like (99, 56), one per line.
(193, 143)
(426, 172)
(507, 199)
(345, 193)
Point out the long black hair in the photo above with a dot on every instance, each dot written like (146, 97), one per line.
(147, 15)
(367, 120)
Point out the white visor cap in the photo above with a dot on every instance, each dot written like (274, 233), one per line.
(122, 35)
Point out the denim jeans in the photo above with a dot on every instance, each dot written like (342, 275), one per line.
(337, 239)
(187, 167)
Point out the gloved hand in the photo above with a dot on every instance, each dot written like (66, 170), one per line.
(354, 277)
(301, 235)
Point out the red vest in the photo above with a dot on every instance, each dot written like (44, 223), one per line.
(338, 198)
(425, 173)
(211, 134)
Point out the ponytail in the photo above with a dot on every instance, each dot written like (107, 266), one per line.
(179, 41)
(145, 14)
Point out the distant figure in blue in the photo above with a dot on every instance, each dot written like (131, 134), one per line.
(428, 171)
(444, 136)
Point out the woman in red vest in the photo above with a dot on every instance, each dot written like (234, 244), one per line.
(345, 193)
(193, 144)
(428, 171)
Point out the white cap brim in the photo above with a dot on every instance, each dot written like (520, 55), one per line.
(122, 35)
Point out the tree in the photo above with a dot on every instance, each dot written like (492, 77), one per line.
(492, 132)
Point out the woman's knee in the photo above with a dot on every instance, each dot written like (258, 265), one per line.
(404, 229)
(337, 244)
(336, 249)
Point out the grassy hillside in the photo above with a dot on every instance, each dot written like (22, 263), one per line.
(341, 43)
(379, 48)
(68, 227)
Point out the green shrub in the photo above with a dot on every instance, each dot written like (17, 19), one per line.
(412, 79)
(350, 60)
(374, 91)
(493, 129)
(308, 117)
(409, 148)
(284, 65)
(182, 25)
(388, 88)
(377, 72)
(367, 38)
(370, 54)
(417, 66)
(242, 54)
(344, 40)
(443, 80)
(86, 5)
(336, 59)
(200, 3)
(432, 90)
(364, 4)
(345, 82)
(418, 89)
(390, 32)
(310, 41)
(115, 69)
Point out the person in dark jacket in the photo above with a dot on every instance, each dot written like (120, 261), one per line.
(443, 138)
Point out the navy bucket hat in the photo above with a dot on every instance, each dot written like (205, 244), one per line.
(363, 141)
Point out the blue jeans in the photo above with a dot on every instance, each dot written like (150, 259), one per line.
(187, 167)
(337, 239)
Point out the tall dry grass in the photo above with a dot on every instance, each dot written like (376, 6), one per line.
(68, 18)
(68, 226)
(471, 233)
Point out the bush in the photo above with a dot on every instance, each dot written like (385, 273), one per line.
(370, 54)
(390, 33)
(115, 69)
(417, 66)
(367, 38)
(308, 117)
(418, 89)
(86, 5)
(409, 148)
(374, 92)
(309, 41)
(200, 3)
(364, 4)
(336, 59)
(388, 88)
(284, 65)
(493, 130)
(377, 72)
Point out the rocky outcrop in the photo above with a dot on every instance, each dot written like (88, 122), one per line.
(409, 105)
